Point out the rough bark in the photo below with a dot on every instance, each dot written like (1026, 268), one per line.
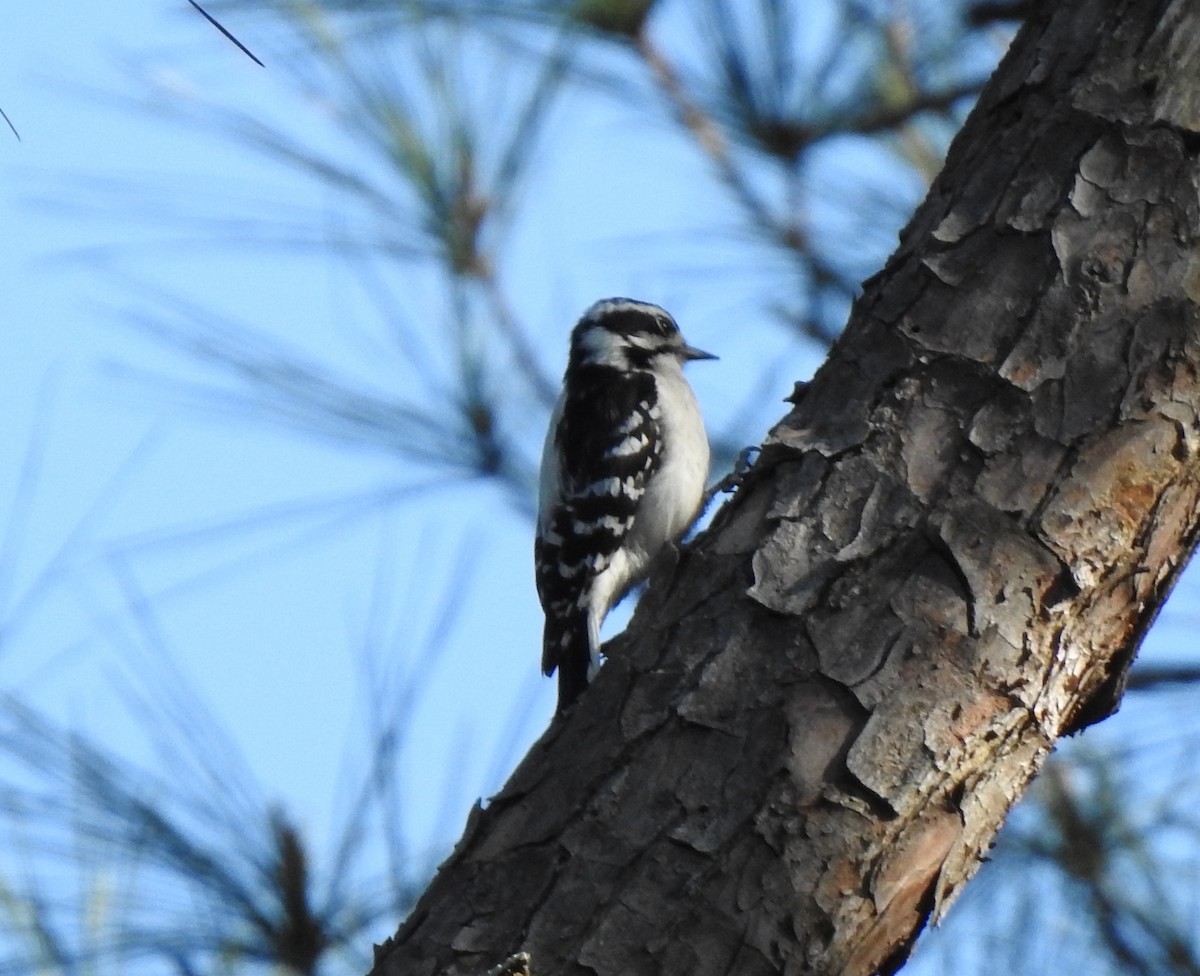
(942, 562)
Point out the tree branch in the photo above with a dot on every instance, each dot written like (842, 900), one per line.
(942, 562)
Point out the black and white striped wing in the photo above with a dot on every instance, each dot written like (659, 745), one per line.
(608, 445)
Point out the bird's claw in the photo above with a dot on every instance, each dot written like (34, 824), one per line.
(733, 480)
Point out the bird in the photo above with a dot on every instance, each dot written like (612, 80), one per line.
(623, 471)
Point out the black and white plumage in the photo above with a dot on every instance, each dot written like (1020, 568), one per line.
(623, 472)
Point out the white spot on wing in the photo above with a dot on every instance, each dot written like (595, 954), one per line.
(630, 423)
(605, 523)
(630, 445)
(605, 486)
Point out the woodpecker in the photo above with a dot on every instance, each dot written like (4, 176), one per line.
(623, 472)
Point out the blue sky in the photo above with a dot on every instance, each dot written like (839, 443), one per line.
(151, 493)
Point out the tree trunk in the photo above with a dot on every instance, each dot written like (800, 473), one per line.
(943, 561)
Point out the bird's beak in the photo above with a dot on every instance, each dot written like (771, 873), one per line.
(691, 352)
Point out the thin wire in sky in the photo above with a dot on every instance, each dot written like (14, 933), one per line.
(217, 24)
(14, 128)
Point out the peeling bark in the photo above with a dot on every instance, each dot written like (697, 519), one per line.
(942, 562)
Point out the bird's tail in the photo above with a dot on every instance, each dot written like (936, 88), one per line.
(567, 646)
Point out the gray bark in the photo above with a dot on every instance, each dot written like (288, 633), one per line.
(942, 562)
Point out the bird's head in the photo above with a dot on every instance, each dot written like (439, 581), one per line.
(627, 334)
